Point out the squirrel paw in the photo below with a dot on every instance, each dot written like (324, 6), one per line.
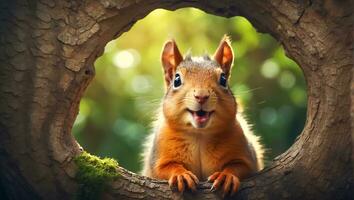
(179, 180)
(228, 181)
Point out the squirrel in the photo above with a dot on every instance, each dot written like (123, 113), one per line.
(199, 134)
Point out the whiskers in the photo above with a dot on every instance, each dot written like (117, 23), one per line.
(242, 105)
(220, 98)
(148, 105)
(240, 93)
(185, 100)
(191, 103)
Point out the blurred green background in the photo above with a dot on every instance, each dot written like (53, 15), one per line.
(118, 106)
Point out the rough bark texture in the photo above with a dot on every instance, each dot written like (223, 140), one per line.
(47, 52)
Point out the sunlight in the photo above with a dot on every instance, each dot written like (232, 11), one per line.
(126, 58)
(270, 69)
(287, 80)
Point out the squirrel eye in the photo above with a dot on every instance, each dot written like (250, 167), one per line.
(177, 82)
(223, 80)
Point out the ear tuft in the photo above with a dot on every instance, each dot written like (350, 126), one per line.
(227, 39)
(224, 55)
(188, 55)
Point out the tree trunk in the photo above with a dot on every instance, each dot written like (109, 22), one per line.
(47, 52)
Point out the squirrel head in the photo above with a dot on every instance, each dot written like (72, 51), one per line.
(197, 93)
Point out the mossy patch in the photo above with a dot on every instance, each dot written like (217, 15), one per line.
(93, 175)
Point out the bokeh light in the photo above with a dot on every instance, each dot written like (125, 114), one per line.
(270, 69)
(126, 58)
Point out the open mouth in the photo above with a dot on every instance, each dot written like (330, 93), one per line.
(200, 117)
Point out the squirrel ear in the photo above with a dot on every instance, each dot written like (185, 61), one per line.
(171, 58)
(224, 55)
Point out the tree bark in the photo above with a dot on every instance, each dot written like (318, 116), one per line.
(47, 52)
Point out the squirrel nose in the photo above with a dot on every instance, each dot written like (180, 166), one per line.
(201, 98)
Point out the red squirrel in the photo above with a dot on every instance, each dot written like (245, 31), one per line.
(199, 134)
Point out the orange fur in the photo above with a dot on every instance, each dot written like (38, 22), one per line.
(180, 150)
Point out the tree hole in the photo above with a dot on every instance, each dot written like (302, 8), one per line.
(118, 106)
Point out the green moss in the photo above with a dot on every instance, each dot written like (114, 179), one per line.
(93, 175)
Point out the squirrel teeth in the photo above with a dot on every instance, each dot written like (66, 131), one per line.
(201, 116)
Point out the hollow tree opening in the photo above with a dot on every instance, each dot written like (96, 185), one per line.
(47, 54)
(119, 105)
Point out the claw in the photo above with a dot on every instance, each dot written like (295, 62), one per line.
(212, 189)
(183, 181)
